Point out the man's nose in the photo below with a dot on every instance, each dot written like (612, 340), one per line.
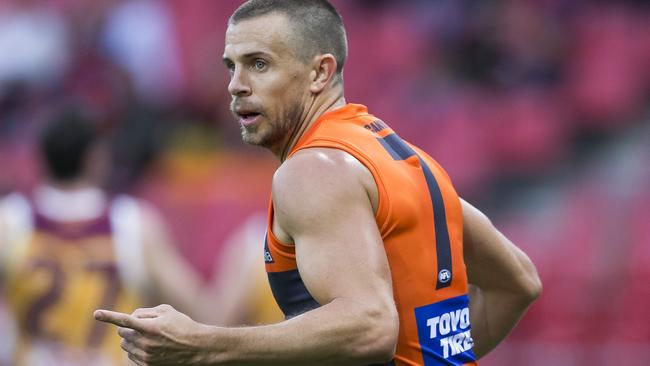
(239, 86)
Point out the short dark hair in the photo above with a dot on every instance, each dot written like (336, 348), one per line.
(317, 22)
(64, 144)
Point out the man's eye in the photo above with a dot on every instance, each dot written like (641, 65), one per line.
(260, 64)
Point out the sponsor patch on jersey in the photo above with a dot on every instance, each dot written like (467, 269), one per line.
(444, 331)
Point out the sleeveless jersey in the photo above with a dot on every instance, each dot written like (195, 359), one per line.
(420, 220)
(56, 274)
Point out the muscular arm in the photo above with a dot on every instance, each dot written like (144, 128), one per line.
(503, 280)
(322, 206)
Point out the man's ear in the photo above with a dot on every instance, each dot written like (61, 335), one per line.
(323, 72)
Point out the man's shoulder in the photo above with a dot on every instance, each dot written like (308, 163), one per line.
(14, 199)
(319, 177)
(318, 166)
(14, 207)
(137, 212)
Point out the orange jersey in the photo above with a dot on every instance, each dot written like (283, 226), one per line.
(420, 221)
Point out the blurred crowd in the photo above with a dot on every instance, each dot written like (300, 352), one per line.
(538, 109)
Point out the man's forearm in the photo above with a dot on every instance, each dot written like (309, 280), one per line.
(334, 334)
(494, 314)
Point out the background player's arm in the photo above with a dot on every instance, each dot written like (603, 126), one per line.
(324, 208)
(173, 280)
(503, 280)
(246, 297)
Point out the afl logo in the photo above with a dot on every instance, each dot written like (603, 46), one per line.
(444, 276)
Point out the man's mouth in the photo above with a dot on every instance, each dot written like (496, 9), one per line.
(247, 118)
(245, 115)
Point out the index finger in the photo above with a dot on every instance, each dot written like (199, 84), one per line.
(119, 319)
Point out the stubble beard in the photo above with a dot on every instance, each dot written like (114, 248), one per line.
(273, 133)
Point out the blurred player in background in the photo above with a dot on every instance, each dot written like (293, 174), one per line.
(370, 252)
(68, 248)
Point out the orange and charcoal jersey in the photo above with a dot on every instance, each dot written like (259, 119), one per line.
(420, 221)
(56, 275)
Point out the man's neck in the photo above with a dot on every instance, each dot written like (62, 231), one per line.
(78, 184)
(312, 113)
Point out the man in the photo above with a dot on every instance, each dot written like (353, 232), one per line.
(370, 253)
(67, 248)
